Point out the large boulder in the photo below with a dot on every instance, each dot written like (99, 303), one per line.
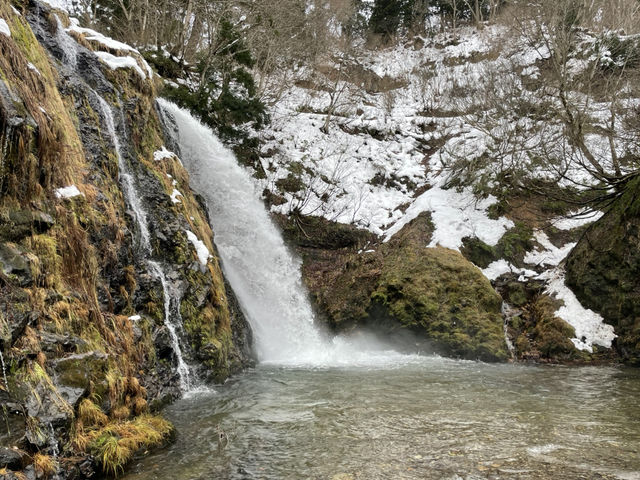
(401, 286)
(437, 292)
(603, 270)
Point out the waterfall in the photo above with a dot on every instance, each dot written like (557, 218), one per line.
(508, 313)
(67, 44)
(263, 273)
(126, 180)
(4, 372)
(172, 319)
(183, 368)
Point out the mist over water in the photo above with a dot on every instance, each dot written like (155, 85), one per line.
(263, 272)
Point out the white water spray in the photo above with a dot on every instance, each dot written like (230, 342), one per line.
(262, 271)
(172, 318)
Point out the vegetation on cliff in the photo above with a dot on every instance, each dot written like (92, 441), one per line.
(81, 323)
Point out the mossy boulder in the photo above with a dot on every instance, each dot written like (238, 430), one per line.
(399, 286)
(603, 270)
(439, 293)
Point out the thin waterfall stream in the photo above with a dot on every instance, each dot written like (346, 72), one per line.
(172, 318)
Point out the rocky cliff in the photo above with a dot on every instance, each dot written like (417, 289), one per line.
(604, 270)
(103, 249)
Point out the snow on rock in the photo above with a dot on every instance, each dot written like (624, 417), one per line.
(66, 5)
(455, 215)
(502, 266)
(110, 43)
(162, 154)
(550, 255)
(103, 40)
(576, 219)
(68, 192)
(174, 196)
(201, 248)
(114, 62)
(4, 28)
(589, 326)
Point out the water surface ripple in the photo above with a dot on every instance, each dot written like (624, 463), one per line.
(435, 419)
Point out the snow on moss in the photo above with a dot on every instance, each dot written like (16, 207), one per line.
(68, 192)
(4, 28)
(114, 62)
(201, 248)
(549, 254)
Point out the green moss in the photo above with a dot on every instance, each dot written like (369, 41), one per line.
(604, 267)
(478, 252)
(291, 183)
(515, 243)
(449, 300)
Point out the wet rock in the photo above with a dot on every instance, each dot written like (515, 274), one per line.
(12, 458)
(46, 409)
(14, 304)
(163, 344)
(73, 374)
(15, 263)
(54, 345)
(18, 224)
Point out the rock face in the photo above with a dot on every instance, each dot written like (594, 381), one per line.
(400, 286)
(603, 270)
(82, 310)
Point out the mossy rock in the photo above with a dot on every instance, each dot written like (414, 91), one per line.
(603, 270)
(478, 252)
(439, 293)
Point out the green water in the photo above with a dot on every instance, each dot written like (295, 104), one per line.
(425, 419)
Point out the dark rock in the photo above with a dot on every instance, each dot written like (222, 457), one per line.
(12, 458)
(603, 270)
(163, 344)
(54, 344)
(73, 374)
(14, 304)
(15, 262)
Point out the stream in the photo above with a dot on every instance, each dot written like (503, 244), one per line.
(421, 419)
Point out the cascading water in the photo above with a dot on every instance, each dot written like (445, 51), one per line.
(4, 372)
(126, 179)
(172, 318)
(262, 271)
(68, 45)
(263, 274)
(183, 368)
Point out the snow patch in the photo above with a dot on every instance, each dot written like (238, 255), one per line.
(114, 62)
(174, 196)
(576, 219)
(68, 192)
(162, 154)
(589, 326)
(550, 254)
(502, 266)
(4, 28)
(33, 68)
(455, 215)
(201, 248)
(135, 318)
